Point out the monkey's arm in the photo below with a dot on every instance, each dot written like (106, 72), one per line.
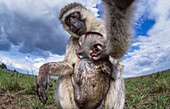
(118, 15)
(123, 3)
(60, 69)
(98, 26)
(55, 69)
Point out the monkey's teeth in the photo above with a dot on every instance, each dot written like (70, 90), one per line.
(81, 56)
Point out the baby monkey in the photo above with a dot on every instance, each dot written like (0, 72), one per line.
(92, 76)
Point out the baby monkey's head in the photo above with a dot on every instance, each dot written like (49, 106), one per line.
(91, 46)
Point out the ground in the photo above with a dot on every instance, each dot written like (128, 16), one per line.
(18, 91)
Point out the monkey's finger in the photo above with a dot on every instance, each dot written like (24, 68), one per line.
(37, 88)
(38, 91)
(44, 97)
(40, 96)
(50, 84)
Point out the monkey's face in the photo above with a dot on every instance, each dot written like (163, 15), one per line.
(91, 46)
(75, 24)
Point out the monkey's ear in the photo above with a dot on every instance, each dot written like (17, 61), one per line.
(95, 51)
(123, 3)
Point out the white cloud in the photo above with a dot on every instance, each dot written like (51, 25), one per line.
(153, 53)
(37, 62)
(33, 25)
(15, 63)
(29, 64)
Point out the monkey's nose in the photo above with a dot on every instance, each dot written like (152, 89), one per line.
(75, 24)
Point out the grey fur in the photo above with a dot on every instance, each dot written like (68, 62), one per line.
(118, 26)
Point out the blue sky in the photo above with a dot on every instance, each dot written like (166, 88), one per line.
(31, 35)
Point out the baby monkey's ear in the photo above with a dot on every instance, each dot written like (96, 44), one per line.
(96, 51)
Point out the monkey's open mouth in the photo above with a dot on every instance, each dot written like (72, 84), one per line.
(96, 56)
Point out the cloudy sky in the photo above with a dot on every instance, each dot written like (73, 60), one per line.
(31, 34)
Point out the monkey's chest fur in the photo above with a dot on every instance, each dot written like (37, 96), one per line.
(91, 81)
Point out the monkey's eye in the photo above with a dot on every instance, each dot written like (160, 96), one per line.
(75, 15)
(67, 21)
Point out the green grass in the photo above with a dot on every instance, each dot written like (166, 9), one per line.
(19, 91)
(151, 91)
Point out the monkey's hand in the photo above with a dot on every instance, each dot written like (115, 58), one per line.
(120, 3)
(42, 82)
(54, 69)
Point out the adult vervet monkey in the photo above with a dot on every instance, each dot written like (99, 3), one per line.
(89, 23)
(77, 20)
